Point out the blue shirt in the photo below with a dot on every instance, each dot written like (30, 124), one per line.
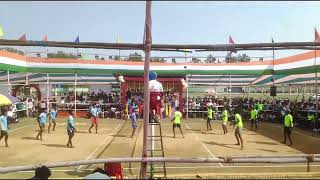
(4, 123)
(43, 117)
(93, 111)
(53, 114)
(70, 122)
(133, 117)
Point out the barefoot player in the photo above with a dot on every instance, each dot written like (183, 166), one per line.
(42, 123)
(70, 129)
(209, 118)
(224, 120)
(239, 126)
(177, 121)
(288, 127)
(4, 126)
(94, 118)
(52, 118)
(133, 118)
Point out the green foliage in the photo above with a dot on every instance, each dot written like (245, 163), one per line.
(61, 54)
(196, 60)
(239, 58)
(134, 57)
(210, 59)
(13, 50)
(157, 59)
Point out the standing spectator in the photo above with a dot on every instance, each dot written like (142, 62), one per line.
(42, 173)
(4, 126)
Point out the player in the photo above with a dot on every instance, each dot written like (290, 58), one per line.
(177, 121)
(42, 119)
(94, 118)
(133, 118)
(224, 120)
(288, 127)
(52, 118)
(70, 129)
(4, 126)
(209, 118)
(238, 124)
(254, 118)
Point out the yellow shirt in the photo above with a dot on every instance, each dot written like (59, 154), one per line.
(238, 119)
(177, 117)
(288, 120)
(210, 112)
(225, 116)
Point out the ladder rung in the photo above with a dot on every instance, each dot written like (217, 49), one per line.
(155, 172)
(155, 150)
(154, 123)
(154, 136)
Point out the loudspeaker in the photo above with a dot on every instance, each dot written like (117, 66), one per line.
(273, 91)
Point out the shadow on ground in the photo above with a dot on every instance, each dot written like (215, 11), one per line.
(263, 142)
(55, 145)
(29, 138)
(222, 145)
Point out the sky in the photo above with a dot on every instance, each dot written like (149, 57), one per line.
(173, 22)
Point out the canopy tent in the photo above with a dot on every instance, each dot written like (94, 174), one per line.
(297, 64)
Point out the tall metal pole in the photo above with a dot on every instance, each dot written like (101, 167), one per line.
(316, 71)
(146, 108)
(187, 94)
(48, 93)
(230, 91)
(273, 103)
(9, 89)
(75, 95)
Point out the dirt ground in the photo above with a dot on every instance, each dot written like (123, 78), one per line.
(113, 140)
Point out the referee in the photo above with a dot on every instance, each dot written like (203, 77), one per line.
(288, 126)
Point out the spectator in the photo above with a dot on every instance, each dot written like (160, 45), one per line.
(42, 173)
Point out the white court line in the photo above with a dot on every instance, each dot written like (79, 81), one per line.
(21, 127)
(103, 143)
(204, 146)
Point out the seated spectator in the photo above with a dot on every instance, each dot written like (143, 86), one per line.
(98, 173)
(42, 173)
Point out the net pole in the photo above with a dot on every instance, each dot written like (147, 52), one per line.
(75, 95)
(147, 43)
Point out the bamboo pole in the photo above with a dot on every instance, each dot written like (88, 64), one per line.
(8, 80)
(47, 93)
(147, 48)
(135, 46)
(75, 95)
(226, 159)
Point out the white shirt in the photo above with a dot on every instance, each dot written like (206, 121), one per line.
(30, 105)
(43, 105)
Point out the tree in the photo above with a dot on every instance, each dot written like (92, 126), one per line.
(239, 58)
(134, 57)
(210, 59)
(13, 50)
(117, 58)
(61, 54)
(195, 60)
(157, 59)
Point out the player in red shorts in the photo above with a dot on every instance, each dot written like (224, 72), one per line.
(94, 118)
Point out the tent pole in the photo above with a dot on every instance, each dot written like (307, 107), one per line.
(75, 95)
(9, 91)
(289, 92)
(230, 90)
(316, 74)
(48, 93)
(187, 115)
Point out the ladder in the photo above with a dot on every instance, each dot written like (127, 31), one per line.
(155, 149)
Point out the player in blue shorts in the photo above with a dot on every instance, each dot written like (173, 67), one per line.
(42, 119)
(52, 118)
(4, 127)
(133, 118)
(70, 128)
